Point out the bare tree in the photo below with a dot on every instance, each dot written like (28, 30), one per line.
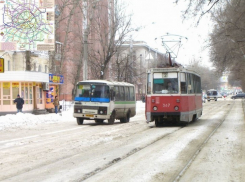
(228, 40)
(197, 9)
(109, 29)
(209, 78)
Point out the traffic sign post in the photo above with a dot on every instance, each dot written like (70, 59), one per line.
(1, 65)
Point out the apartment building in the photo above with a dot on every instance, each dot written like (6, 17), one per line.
(75, 30)
(136, 57)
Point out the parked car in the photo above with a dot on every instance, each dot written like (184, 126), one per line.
(238, 96)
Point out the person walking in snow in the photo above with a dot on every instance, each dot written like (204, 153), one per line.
(19, 103)
(56, 104)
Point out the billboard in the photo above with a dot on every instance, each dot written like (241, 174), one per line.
(1, 65)
(224, 79)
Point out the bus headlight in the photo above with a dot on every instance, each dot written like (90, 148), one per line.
(176, 108)
(102, 110)
(155, 108)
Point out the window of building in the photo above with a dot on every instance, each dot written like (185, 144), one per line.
(40, 96)
(46, 68)
(9, 69)
(26, 93)
(40, 68)
(6, 93)
(34, 67)
(30, 93)
(15, 90)
(22, 94)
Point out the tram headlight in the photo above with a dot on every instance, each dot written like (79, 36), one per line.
(155, 108)
(176, 108)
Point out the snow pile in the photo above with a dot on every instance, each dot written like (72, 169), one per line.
(25, 119)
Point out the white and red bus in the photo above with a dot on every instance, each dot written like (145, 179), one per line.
(174, 95)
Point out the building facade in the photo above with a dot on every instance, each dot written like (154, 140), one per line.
(35, 85)
(136, 57)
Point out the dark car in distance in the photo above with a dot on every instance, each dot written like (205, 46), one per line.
(238, 96)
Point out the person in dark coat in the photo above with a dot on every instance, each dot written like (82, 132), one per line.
(19, 103)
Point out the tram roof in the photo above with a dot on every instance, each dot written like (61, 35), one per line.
(107, 82)
(172, 69)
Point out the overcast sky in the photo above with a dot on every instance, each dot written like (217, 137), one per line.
(167, 19)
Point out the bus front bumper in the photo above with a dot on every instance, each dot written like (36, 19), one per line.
(90, 116)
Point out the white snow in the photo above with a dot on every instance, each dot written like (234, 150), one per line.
(25, 119)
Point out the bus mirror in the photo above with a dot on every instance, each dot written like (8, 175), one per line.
(189, 87)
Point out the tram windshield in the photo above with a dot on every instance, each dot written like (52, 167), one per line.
(165, 86)
(93, 93)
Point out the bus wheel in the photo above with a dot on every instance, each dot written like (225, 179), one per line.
(126, 118)
(79, 121)
(99, 121)
(112, 118)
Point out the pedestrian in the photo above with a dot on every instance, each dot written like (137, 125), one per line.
(19, 103)
(56, 104)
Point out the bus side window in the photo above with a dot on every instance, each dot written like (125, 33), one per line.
(132, 95)
(122, 93)
(117, 93)
(127, 94)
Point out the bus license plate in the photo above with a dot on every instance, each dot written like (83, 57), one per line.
(89, 115)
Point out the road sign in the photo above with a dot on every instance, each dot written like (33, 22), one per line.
(1, 65)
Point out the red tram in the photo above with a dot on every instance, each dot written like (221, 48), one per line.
(173, 95)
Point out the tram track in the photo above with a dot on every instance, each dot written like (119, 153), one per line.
(192, 158)
(136, 150)
(129, 143)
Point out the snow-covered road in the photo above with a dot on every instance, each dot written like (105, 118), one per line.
(54, 148)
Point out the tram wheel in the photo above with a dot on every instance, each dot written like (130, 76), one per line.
(157, 123)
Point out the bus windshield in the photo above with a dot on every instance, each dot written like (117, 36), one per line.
(93, 93)
(165, 85)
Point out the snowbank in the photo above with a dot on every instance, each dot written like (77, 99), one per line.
(26, 119)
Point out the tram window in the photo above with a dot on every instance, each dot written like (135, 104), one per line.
(183, 87)
(149, 84)
(190, 84)
(165, 86)
(199, 90)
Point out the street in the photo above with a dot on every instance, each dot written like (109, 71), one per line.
(209, 149)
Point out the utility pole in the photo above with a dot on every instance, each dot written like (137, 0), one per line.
(86, 32)
(85, 55)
